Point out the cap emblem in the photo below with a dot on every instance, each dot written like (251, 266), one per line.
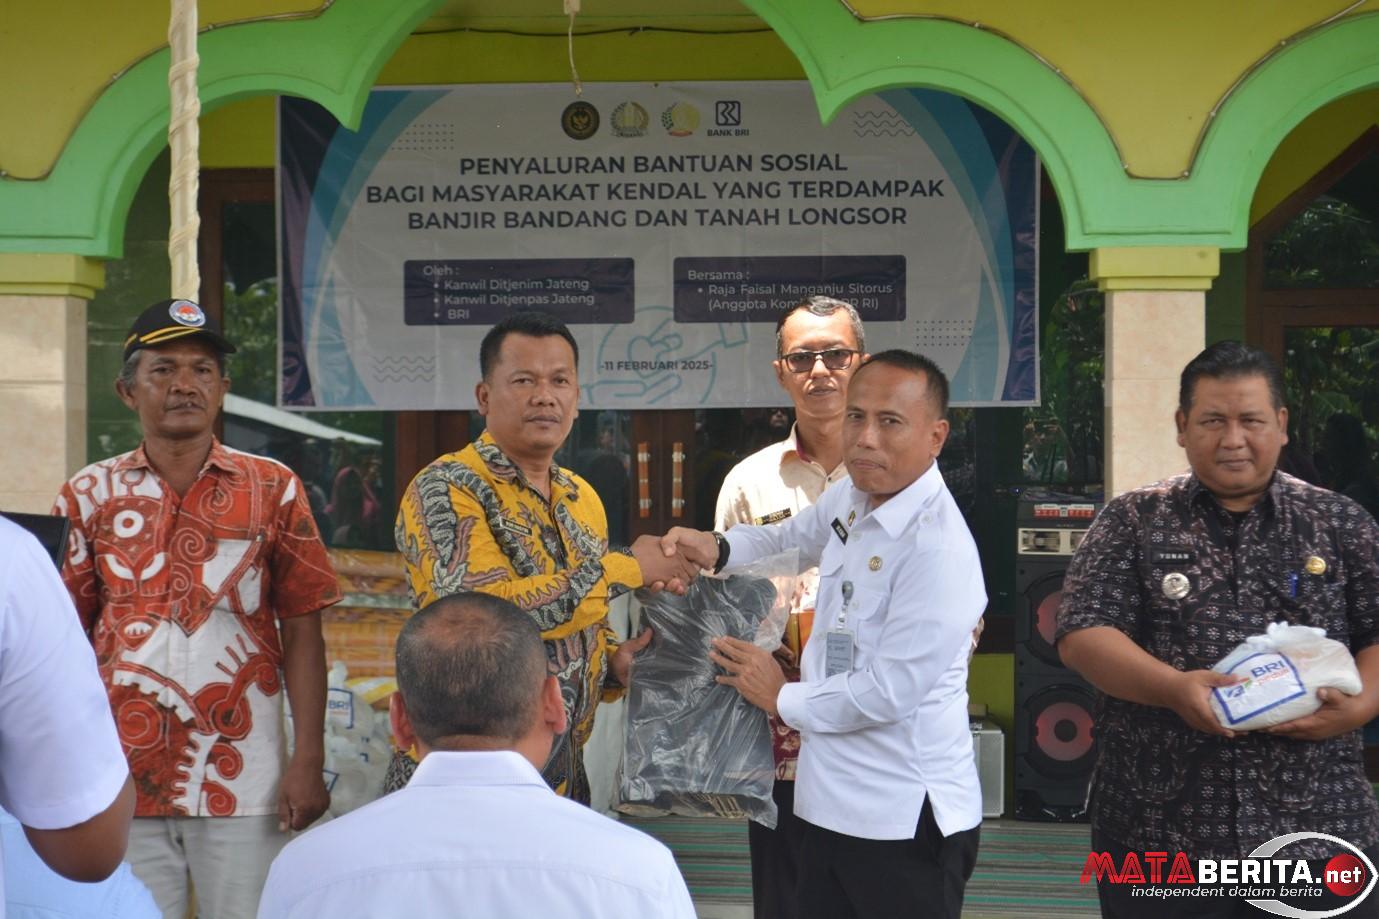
(185, 312)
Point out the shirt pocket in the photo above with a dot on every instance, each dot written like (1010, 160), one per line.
(239, 569)
(1295, 596)
(867, 620)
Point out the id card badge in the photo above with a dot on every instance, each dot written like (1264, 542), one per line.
(838, 652)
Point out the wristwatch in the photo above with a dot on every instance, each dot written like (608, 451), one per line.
(723, 549)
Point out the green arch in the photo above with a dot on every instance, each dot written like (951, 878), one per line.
(333, 59)
(1103, 207)
(1334, 61)
(845, 58)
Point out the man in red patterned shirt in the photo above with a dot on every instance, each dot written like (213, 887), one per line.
(200, 576)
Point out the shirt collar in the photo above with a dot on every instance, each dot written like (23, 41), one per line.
(895, 515)
(1197, 492)
(791, 444)
(791, 447)
(220, 457)
(498, 463)
(476, 767)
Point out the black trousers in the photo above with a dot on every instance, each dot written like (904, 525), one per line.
(844, 877)
(1117, 901)
(776, 858)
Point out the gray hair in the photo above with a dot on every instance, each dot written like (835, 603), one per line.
(129, 369)
(470, 665)
(821, 306)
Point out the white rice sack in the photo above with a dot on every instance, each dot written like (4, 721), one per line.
(1282, 670)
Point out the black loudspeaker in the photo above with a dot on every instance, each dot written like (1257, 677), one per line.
(1054, 743)
(51, 532)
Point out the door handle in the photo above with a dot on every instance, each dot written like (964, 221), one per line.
(677, 479)
(644, 479)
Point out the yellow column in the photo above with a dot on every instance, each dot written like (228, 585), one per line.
(43, 302)
(1155, 324)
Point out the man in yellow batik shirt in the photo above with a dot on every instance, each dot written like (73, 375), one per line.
(500, 517)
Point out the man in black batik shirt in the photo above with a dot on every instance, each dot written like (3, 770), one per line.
(1169, 580)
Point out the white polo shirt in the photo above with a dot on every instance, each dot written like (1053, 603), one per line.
(474, 834)
(60, 759)
(881, 737)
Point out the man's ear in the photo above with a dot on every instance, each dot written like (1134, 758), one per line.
(940, 435)
(553, 706)
(481, 397)
(125, 395)
(403, 734)
(1180, 419)
(779, 364)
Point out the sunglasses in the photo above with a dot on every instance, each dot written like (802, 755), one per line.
(833, 358)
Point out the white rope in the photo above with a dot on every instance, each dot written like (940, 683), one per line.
(572, 10)
(184, 140)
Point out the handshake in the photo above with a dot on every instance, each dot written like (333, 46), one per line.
(672, 561)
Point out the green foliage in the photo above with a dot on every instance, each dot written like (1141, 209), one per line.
(1327, 371)
(251, 322)
(1331, 244)
(1064, 434)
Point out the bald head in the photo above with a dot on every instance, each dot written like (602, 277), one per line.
(470, 666)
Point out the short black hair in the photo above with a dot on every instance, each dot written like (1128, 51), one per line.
(935, 381)
(537, 325)
(1228, 360)
(821, 306)
(470, 665)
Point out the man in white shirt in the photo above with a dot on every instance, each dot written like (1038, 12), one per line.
(476, 830)
(819, 344)
(886, 782)
(62, 771)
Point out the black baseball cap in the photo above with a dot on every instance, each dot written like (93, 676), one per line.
(167, 320)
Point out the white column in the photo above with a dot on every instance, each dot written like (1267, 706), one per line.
(43, 302)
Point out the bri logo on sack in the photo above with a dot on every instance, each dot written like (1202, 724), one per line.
(1259, 878)
(1265, 673)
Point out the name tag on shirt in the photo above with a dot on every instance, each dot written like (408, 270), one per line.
(838, 652)
(841, 530)
(1171, 555)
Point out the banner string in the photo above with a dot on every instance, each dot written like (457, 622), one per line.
(572, 10)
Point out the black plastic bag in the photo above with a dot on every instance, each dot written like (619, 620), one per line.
(693, 746)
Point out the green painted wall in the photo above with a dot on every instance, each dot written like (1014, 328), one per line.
(142, 277)
(991, 682)
(1226, 299)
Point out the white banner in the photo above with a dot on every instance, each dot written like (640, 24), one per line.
(668, 225)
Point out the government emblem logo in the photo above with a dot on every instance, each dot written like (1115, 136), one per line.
(185, 312)
(580, 120)
(680, 120)
(629, 120)
(1176, 585)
